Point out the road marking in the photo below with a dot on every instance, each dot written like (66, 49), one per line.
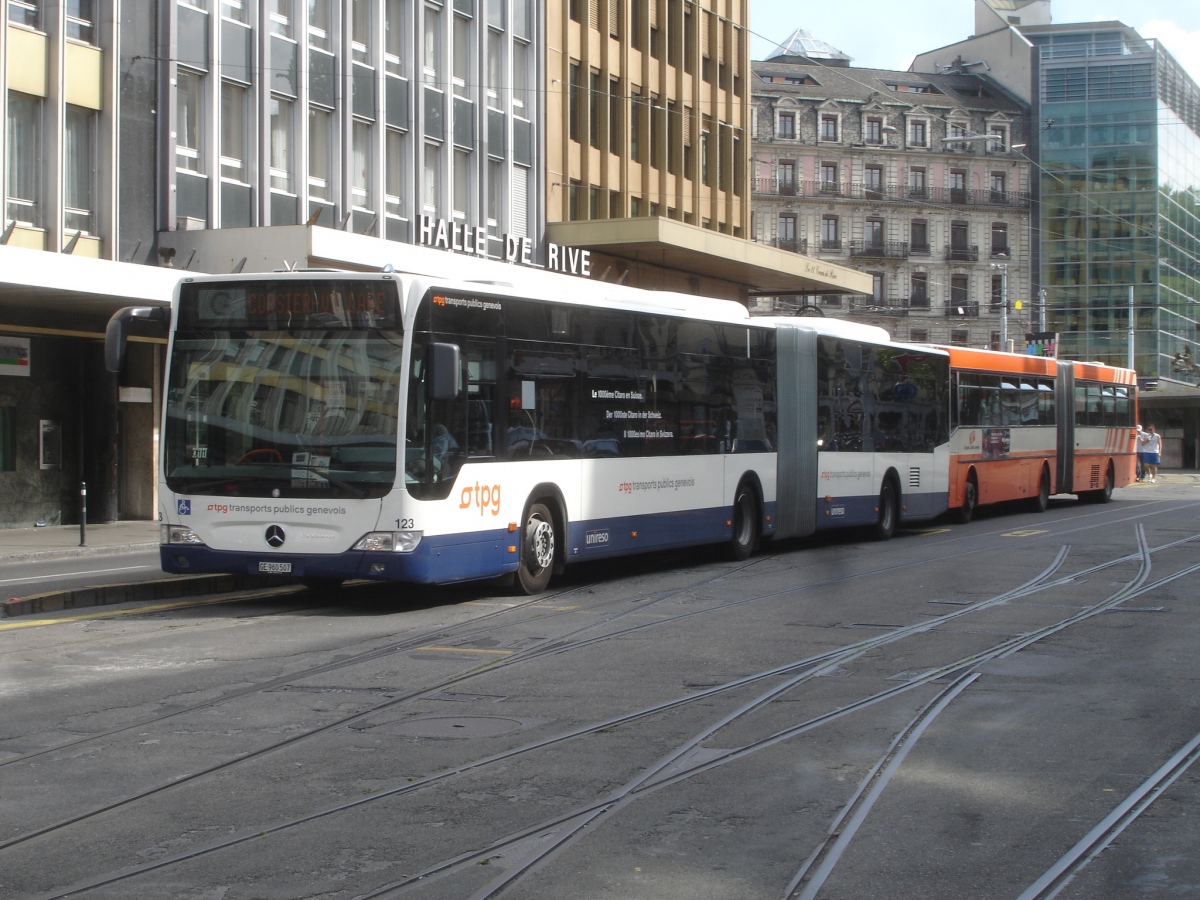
(935, 531)
(112, 613)
(73, 574)
(263, 594)
(1026, 532)
(465, 650)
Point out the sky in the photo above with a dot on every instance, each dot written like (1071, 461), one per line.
(887, 34)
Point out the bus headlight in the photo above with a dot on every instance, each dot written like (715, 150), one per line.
(178, 534)
(390, 541)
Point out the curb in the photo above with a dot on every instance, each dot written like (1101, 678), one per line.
(76, 552)
(137, 592)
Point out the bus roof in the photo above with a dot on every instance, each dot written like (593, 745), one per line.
(1028, 364)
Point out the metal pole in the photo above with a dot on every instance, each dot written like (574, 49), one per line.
(83, 514)
(1132, 326)
(1004, 306)
(1041, 319)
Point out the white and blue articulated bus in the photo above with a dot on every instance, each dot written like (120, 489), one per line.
(333, 426)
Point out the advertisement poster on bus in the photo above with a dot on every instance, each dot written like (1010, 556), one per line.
(996, 443)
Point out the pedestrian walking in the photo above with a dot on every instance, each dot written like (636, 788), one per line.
(1153, 452)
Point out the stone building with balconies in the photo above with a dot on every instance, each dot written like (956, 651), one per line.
(918, 179)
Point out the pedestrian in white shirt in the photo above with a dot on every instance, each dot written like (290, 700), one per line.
(1152, 443)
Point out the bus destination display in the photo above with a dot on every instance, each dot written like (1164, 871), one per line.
(290, 305)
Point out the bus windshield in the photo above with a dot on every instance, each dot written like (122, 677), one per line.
(284, 389)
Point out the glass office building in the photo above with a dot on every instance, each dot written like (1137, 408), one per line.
(1117, 135)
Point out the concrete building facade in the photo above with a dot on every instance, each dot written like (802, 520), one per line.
(920, 182)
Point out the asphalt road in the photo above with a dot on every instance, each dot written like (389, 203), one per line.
(991, 710)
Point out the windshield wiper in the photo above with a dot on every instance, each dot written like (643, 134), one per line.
(324, 473)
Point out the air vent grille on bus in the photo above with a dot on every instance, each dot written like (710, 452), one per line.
(914, 477)
(1095, 476)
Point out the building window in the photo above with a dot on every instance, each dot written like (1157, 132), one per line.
(615, 107)
(575, 102)
(234, 9)
(361, 187)
(594, 111)
(876, 288)
(393, 34)
(280, 14)
(959, 337)
(81, 20)
(79, 169)
(320, 24)
(918, 335)
(461, 201)
(281, 144)
(393, 173)
(23, 186)
(873, 182)
(189, 124)
(999, 141)
(1000, 239)
(959, 294)
(829, 178)
(829, 127)
(873, 236)
(916, 184)
(787, 126)
(26, 12)
(431, 181)
(998, 183)
(997, 295)
(830, 238)
(918, 236)
(233, 132)
(873, 130)
(787, 232)
(958, 185)
(362, 19)
(320, 143)
(918, 133)
(956, 131)
(787, 177)
(431, 58)
(918, 290)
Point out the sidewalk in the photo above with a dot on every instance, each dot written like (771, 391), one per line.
(62, 541)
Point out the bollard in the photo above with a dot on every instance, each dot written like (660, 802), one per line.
(83, 514)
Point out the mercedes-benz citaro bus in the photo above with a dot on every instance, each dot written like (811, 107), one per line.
(332, 425)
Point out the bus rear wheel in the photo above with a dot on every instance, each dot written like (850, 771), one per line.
(1105, 493)
(537, 550)
(966, 512)
(1041, 500)
(889, 512)
(745, 523)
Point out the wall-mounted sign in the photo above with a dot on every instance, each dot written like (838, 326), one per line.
(458, 237)
(14, 356)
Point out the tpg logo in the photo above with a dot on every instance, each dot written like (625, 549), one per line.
(483, 496)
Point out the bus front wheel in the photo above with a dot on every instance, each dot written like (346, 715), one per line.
(745, 524)
(537, 550)
(889, 512)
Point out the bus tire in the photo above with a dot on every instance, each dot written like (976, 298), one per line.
(966, 512)
(745, 523)
(537, 550)
(1041, 500)
(889, 512)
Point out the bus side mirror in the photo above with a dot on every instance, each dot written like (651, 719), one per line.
(445, 371)
(117, 332)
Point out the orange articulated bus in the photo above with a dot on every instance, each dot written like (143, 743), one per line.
(1027, 427)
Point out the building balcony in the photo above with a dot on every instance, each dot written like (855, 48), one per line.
(871, 306)
(831, 244)
(1001, 252)
(792, 245)
(888, 193)
(879, 249)
(919, 250)
(962, 310)
(962, 254)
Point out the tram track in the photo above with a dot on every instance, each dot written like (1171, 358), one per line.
(646, 784)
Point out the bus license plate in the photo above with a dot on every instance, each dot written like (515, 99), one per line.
(275, 568)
